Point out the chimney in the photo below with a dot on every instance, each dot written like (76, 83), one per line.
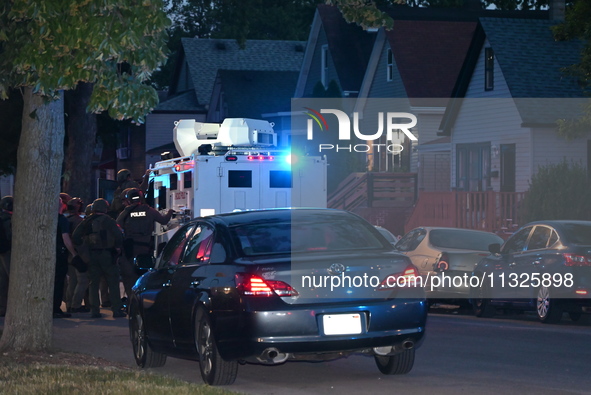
(557, 10)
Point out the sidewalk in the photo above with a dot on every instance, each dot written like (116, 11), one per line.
(105, 337)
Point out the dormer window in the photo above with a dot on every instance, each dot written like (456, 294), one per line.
(489, 69)
(389, 65)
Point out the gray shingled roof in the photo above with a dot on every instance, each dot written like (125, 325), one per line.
(251, 93)
(205, 57)
(186, 101)
(532, 61)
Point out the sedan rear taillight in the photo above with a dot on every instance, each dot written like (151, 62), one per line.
(253, 285)
(576, 260)
(407, 278)
(442, 262)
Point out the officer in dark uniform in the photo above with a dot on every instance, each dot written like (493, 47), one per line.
(5, 248)
(102, 237)
(124, 182)
(137, 221)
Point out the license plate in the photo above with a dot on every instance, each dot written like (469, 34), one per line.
(342, 324)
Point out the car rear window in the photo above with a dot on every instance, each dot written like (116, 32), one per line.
(577, 233)
(461, 239)
(288, 237)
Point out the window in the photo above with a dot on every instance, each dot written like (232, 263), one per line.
(280, 179)
(411, 240)
(199, 247)
(173, 250)
(389, 65)
(539, 238)
(240, 179)
(517, 242)
(473, 167)
(489, 69)
(324, 66)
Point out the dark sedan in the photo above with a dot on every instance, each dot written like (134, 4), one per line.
(545, 266)
(272, 286)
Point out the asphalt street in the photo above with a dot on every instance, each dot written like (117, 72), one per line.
(461, 354)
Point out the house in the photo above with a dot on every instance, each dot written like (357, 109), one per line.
(412, 68)
(419, 61)
(502, 123)
(254, 94)
(192, 87)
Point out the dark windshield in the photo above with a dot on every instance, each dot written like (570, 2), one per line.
(463, 239)
(287, 237)
(577, 233)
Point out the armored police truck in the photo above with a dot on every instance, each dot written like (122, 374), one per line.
(233, 166)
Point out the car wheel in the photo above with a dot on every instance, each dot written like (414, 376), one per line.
(481, 303)
(144, 356)
(214, 369)
(396, 364)
(547, 308)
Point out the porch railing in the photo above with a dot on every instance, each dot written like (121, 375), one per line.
(375, 190)
(490, 211)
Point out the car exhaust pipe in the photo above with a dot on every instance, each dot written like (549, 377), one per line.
(395, 349)
(272, 356)
(408, 344)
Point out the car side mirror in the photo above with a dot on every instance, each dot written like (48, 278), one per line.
(144, 261)
(494, 248)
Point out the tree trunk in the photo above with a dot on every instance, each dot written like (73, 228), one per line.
(28, 324)
(82, 127)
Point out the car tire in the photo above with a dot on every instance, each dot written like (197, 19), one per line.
(481, 303)
(214, 369)
(143, 354)
(548, 309)
(396, 364)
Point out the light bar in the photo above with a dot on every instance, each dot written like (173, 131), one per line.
(260, 157)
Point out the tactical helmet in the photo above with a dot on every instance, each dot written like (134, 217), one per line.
(134, 195)
(75, 204)
(88, 210)
(122, 175)
(65, 198)
(6, 203)
(100, 206)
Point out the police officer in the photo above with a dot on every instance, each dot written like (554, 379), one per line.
(137, 221)
(124, 182)
(103, 238)
(77, 278)
(5, 247)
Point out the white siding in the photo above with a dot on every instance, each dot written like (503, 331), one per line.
(476, 86)
(380, 87)
(316, 64)
(498, 122)
(486, 117)
(550, 148)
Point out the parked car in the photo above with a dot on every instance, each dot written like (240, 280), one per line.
(261, 287)
(443, 255)
(545, 266)
(387, 234)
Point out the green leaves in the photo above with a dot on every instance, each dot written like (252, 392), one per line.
(365, 13)
(558, 191)
(53, 45)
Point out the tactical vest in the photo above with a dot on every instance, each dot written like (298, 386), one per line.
(137, 222)
(99, 235)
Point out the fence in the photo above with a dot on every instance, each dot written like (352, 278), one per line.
(490, 211)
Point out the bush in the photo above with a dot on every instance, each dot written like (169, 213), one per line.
(558, 191)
